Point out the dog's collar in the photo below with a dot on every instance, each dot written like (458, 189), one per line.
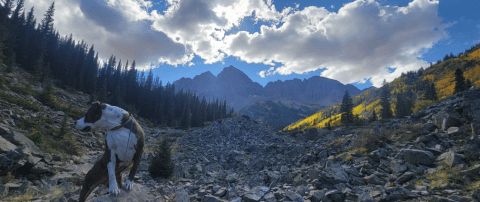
(124, 124)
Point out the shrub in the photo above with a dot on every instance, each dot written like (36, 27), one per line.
(422, 104)
(36, 136)
(162, 164)
(18, 101)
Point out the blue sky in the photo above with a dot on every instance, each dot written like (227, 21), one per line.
(358, 42)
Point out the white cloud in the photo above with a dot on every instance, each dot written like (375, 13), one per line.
(356, 43)
(114, 29)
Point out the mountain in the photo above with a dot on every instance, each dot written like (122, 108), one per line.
(413, 85)
(278, 104)
(240, 91)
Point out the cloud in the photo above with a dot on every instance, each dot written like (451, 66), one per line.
(121, 28)
(266, 73)
(358, 42)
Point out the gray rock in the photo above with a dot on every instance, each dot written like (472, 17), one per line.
(405, 177)
(317, 195)
(210, 198)
(378, 154)
(60, 113)
(137, 193)
(3, 190)
(450, 158)
(454, 131)
(293, 197)
(374, 179)
(182, 197)
(429, 127)
(221, 192)
(450, 121)
(415, 156)
(473, 172)
(398, 167)
(333, 174)
(5, 145)
(476, 195)
(19, 139)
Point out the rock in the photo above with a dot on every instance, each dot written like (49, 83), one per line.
(378, 154)
(473, 172)
(252, 197)
(453, 131)
(405, 177)
(137, 193)
(210, 198)
(429, 127)
(450, 158)
(3, 190)
(335, 195)
(19, 139)
(182, 197)
(476, 195)
(60, 113)
(317, 195)
(221, 192)
(398, 167)
(415, 156)
(333, 174)
(374, 179)
(5, 145)
(293, 197)
(450, 121)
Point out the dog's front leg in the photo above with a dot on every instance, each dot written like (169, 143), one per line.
(113, 187)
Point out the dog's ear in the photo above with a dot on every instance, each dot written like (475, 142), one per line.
(95, 105)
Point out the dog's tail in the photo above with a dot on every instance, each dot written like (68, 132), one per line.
(96, 176)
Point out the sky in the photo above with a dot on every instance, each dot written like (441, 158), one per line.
(360, 42)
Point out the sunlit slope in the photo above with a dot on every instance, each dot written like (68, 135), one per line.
(441, 74)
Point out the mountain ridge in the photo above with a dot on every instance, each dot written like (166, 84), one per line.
(240, 91)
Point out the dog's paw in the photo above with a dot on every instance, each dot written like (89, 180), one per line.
(128, 185)
(114, 191)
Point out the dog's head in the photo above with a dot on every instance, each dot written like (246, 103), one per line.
(101, 116)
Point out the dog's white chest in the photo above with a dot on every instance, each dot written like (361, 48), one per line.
(122, 143)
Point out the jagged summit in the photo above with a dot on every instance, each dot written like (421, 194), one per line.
(240, 91)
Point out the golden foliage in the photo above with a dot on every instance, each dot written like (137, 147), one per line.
(429, 77)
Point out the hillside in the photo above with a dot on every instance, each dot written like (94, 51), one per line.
(277, 115)
(414, 84)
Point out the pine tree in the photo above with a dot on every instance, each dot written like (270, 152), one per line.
(373, 117)
(400, 108)
(346, 109)
(386, 111)
(459, 81)
(162, 164)
(431, 93)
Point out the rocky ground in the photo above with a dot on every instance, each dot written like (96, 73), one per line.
(433, 155)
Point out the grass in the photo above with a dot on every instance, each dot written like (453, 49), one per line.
(25, 197)
(368, 139)
(444, 174)
(345, 156)
(409, 132)
(20, 102)
(336, 142)
(361, 150)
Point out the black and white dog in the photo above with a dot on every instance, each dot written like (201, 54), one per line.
(124, 146)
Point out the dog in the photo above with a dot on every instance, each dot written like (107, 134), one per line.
(124, 145)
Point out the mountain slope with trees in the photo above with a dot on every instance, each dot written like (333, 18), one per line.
(411, 92)
(39, 49)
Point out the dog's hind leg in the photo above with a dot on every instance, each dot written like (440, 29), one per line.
(96, 176)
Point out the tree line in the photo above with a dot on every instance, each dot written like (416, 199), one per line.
(39, 49)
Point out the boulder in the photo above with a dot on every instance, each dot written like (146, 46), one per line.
(453, 131)
(19, 139)
(137, 193)
(5, 145)
(415, 156)
(450, 158)
(182, 196)
(429, 127)
(450, 121)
